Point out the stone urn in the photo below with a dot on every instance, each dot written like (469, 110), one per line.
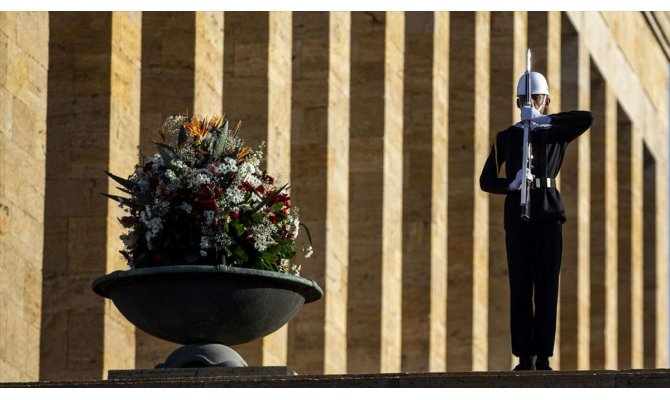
(206, 308)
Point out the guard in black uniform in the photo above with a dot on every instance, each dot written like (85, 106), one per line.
(533, 248)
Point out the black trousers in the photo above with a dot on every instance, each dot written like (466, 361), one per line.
(534, 264)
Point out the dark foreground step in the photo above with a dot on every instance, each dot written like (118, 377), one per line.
(263, 377)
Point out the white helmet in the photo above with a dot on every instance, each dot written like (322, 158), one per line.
(538, 84)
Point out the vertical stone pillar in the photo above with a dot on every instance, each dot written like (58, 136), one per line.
(392, 207)
(124, 137)
(366, 329)
(611, 195)
(649, 258)
(597, 221)
(278, 137)
(624, 238)
(245, 98)
(338, 186)
(309, 173)
(417, 191)
(24, 58)
(168, 88)
(208, 97)
(637, 249)
(662, 272)
(438, 226)
(583, 214)
(569, 192)
(508, 57)
(467, 312)
(91, 103)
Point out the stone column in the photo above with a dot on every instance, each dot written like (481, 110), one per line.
(637, 249)
(417, 190)
(245, 98)
(92, 107)
(611, 195)
(624, 238)
(508, 62)
(392, 206)
(24, 58)
(569, 192)
(309, 176)
(440, 161)
(373, 326)
(649, 259)
(467, 305)
(124, 137)
(168, 88)
(597, 221)
(278, 137)
(337, 207)
(583, 214)
(208, 76)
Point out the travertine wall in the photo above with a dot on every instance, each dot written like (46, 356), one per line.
(381, 121)
(24, 60)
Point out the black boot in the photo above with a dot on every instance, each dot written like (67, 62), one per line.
(542, 364)
(525, 364)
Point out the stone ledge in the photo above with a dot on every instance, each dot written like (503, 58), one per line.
(538, 379)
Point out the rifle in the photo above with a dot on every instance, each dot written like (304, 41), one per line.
(527, 150)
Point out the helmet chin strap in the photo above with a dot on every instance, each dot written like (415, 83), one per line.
(544, 103)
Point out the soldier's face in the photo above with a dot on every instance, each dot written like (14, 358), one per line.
(540, 101)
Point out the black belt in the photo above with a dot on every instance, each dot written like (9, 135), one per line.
(543, 183)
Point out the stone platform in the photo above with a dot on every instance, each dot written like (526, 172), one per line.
(267, 377)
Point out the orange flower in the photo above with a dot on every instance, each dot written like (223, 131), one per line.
(245, 152)
(199, 129)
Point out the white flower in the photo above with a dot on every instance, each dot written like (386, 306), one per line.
(170, 175)
(262, 234)
(200, 179)
(204, 242)
(209, 216)
(295, 269)
(227, 165)
(234, 195)
(178, 164)
(186, 207)
(308, 251)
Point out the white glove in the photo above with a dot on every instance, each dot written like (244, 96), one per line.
(529, 112)
(516, 183)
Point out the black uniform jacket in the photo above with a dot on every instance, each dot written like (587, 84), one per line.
(548, 145)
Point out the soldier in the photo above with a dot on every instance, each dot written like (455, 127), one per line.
(534, 247)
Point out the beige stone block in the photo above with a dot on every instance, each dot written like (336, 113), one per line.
(337, 234)
(34, 34)
(86, 244)
(84, 334)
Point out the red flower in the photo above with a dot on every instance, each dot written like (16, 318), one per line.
(147, 167)
(273, 218)
(247, 186)
(218, 192)
(153, 182)
(209, 204)
(235, 214)
(268, 179)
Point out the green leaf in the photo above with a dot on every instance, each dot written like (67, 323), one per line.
(123, 182)
(309, 236)
(121, 200)
(240, 254)
(182, 136)
(166, 152)
(268, 199)
(220, 142)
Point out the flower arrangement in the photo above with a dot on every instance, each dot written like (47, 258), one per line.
(203, 199)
